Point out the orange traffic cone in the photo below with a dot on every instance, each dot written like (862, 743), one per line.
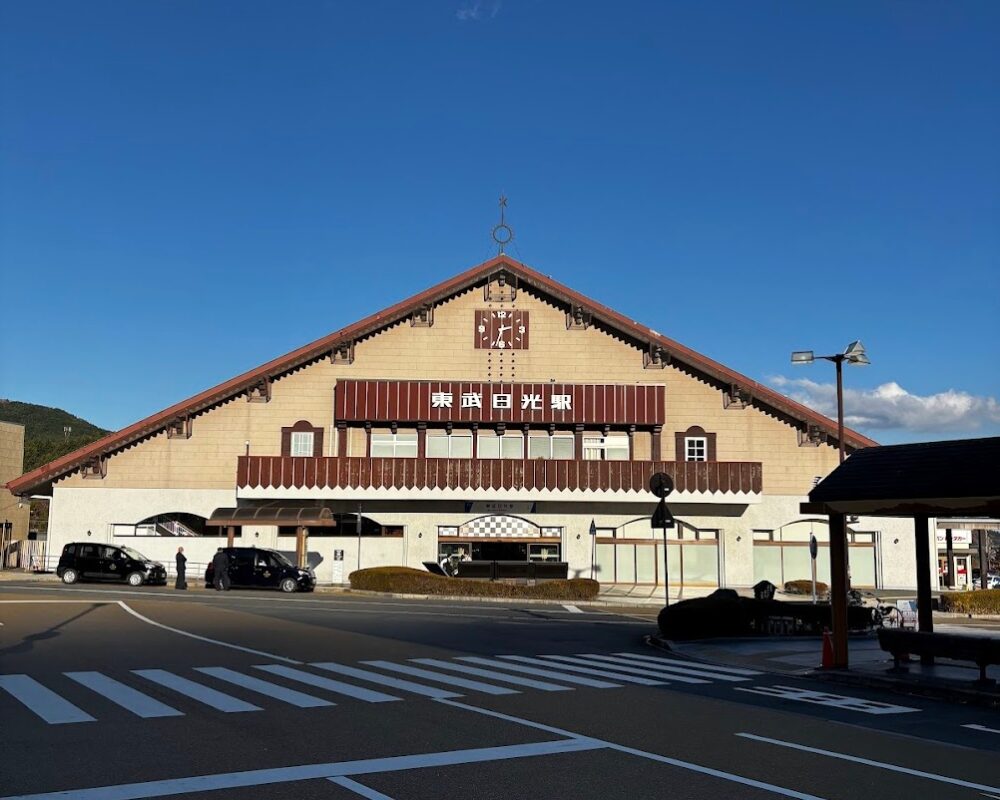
(827, 649)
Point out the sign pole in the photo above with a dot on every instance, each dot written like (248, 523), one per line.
(666, 567)
(593, 548)
(813, 550)
(661, 484)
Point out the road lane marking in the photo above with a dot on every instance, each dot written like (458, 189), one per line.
(42, 701)
(492, 673)
(678, 662)
(845, 702)
(579, 665)
(872, 763)
(149, 621)
(550, 672)
(304, 772)
(359, 789)
(285, 695)
(196, 691)
(700, 670)
(573, 609)
(125, 696)
(632, 668)
(385, 680)
(981, 728)
(89, 602)
(674, 762)
(440, 677)
(338, 687)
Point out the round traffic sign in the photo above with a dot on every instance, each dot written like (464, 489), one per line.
(661, 484)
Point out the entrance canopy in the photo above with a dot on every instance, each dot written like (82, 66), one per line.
(937, 479)
(305, 514)
(922, 481)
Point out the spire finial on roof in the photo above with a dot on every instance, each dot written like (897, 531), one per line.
(503, 234)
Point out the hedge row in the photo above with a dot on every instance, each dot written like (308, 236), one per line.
(805, 587)
(406, 580)
(984, 601)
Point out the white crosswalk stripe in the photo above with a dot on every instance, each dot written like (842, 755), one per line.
(196, 691)
(43, 701)
(551, 672)
(349, 689)
(427, 677)
(440, 677)
(491, 673)
(680, 663)
(703, 673)
(385, 680)
(631, 668)
(579, 665)
(285, 695)
(128, 698)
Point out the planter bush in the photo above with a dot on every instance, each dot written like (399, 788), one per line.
(724, 613)
(406, 580)
(805, 587)
(983, 601)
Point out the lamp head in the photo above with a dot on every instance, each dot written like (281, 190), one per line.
(855, 354)
(803, 357)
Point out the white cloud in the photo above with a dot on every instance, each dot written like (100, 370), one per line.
(477, 12)
(890, 406)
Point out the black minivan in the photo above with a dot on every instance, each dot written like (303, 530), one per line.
(89, 561)
(258, 568)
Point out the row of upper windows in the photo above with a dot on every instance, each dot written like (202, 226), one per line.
(512, 446)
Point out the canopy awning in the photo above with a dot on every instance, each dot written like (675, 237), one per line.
(930, 478)
(309, 515)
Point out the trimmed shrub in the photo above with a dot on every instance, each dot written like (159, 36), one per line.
(805, 587)
(724, 613)
(406, 580)
(982, 601)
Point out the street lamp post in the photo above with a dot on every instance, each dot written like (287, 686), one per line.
(854, 354)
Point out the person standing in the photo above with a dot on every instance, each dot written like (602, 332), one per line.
(181, 570)
(220, 571)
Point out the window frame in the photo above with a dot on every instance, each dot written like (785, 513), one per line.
(600, 443)
(396, 440)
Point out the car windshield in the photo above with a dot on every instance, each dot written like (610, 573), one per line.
(134, 554)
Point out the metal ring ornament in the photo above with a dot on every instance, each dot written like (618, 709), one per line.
(503, 234)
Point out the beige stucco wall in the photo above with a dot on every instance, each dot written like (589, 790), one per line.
(11, 466)
(445, 351)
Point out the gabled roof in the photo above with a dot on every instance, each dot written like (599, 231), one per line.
(931, 478)
(640, 334)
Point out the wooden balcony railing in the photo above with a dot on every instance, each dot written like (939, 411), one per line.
(349, 472)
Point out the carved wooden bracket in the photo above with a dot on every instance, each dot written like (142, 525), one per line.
(342, 353)
(655, 358)
(423, 317)
(260, 392)
(179, 428)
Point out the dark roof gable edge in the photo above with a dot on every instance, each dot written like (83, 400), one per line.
(392, 315)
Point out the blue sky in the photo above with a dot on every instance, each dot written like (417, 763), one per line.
(190, 188)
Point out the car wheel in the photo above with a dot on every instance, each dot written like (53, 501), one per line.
(135, 579)
(70, 576)
(289, 585)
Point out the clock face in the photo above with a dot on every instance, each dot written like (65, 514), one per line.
(501, 329)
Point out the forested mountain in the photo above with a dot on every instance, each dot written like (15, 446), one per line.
(45, 434)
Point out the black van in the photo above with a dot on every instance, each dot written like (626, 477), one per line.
(257, 568)
(89, 561)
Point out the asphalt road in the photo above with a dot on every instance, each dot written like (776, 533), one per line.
(110, 692)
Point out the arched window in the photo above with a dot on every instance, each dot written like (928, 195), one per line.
(302, 439)
(695, 444)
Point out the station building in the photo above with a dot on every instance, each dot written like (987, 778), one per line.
(500, 413)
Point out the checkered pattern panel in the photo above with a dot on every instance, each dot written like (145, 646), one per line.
(500, 526)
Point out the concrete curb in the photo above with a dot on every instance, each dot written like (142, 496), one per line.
(918, 688)
(530, 601)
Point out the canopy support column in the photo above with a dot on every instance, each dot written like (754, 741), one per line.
(301, 545)
(838, 588)
(925, 615)
(949, 549)
(230, 535)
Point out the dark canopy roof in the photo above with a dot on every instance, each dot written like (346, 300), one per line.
(934, 478)
(308, 514)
